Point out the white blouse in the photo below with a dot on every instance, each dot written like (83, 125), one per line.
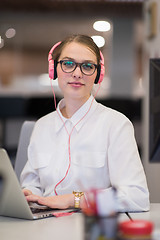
(103, 153)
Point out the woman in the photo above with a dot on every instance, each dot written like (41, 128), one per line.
(83, 145)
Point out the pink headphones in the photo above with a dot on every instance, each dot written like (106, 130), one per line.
(53, 66)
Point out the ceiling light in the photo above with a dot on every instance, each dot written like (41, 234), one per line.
(10, 33)
(102, 26)
(99, 40)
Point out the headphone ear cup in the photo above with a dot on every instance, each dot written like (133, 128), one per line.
(102, 73)
(55, 69)
(52, 67)
(100, 70)
(98, 74)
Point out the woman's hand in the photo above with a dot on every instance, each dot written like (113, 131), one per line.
(60, 201)
(26, 192)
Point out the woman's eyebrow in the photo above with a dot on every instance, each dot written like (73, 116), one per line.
(68, 58)
(72, 59)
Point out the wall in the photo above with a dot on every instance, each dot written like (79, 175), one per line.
(151, 50)
(123, 62)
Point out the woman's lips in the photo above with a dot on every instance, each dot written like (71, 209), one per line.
(76, 84)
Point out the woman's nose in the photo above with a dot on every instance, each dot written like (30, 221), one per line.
(77, 72)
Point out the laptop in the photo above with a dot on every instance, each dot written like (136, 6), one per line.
(12, 200)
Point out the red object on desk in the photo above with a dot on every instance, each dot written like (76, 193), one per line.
(137, 228)
(62, 214)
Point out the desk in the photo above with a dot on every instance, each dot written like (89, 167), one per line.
(68, 227)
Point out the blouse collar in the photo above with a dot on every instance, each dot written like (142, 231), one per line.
(79, 117)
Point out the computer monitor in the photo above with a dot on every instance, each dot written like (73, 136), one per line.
(1, 185)
(154, 110)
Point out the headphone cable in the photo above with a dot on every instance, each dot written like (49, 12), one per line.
(69, 134)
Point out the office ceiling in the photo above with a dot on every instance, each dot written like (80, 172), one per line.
(72, 5)
(38, 22)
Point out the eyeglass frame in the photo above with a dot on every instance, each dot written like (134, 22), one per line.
(76, 65)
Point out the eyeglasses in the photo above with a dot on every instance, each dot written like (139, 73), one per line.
(69, 66)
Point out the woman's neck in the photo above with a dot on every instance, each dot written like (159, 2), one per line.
(71, 106)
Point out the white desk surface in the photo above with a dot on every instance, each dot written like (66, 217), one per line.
(67, 227)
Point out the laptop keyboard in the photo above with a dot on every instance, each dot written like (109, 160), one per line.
(38, 210)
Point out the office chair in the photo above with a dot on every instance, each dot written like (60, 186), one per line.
(21, 156)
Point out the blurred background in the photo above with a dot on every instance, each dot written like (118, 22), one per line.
(129, 37)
